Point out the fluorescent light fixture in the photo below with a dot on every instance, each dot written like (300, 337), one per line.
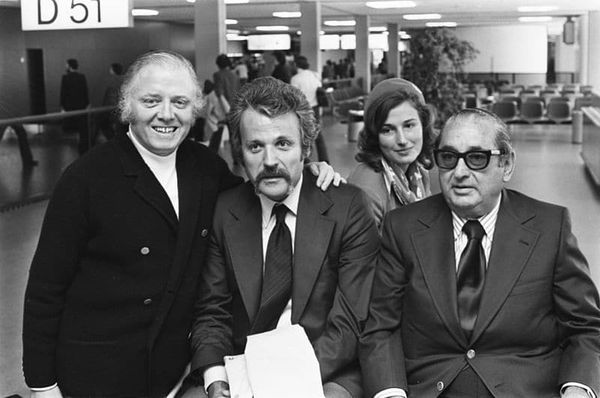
(299, 32)
(419, 17)
(390, 4)
(191, 1)
(237, 1)
(340, 23)
(536, 8)
(231, 21)
(377, 29)
(441, 24)
(535, 19)
(233, 31)
(143, 12)
(273, 28)
(287, 14)
(235, 37)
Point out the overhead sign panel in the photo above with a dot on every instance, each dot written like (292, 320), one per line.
(75, 14)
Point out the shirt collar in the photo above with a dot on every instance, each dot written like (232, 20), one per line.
(150, 157)
(291, 201)
(487, 221)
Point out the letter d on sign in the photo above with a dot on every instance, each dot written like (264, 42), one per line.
(47, 21)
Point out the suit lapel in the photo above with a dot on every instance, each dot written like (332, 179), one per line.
(313, 233)
(244, 244)
(511, 248)
(438, 265)
(146, 185)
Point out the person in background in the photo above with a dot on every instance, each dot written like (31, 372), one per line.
(215, 112)
(226, 81)
(282, 69)
(480, 291)
(308, 82)
(329, 244)
(109, 122)
(109, 299)
(74, 96)
(241, 70)
(395, 147)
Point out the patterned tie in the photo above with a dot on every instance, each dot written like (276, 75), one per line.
(470, 277)
(277, 278)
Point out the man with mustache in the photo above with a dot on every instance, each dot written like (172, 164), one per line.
(282, 252)
(480, 291)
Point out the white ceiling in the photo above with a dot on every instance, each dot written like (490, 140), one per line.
(464, 12)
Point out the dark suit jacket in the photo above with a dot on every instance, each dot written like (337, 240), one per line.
(336, 244)
(108, 306)
(73, 91)
(538, 324)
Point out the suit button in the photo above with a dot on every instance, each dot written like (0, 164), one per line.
(204, 233)
(147, 301)
(144, 250)
(471, 354)
(440, 385)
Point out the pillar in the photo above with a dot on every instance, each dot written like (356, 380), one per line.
(310, 25)
(210, 37)
(393, 55)
(362, 65)
(594, 50)
(583, 38)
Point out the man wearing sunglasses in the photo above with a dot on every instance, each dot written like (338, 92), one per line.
(480, 291)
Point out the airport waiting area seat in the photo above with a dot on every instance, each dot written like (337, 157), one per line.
(532, 112)
(507, 111)
(559, 112)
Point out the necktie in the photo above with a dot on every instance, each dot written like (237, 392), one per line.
(471, 276)
(277, 278)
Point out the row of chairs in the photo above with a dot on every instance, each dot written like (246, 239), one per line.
(559, 88)
(533, 111)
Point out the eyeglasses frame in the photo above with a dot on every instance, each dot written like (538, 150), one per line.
(463, 155)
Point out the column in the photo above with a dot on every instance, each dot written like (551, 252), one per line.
(593, 50)
(310, 25)
(583, 43)
(362, 64)
(393, 55)
(209, 36)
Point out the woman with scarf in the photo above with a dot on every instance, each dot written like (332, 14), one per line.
(395, 147)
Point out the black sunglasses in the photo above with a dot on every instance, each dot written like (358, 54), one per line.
(475, 160)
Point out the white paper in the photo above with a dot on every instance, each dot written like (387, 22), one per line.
(282, 363)
(239, 384)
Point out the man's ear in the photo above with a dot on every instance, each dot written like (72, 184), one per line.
(509, 165)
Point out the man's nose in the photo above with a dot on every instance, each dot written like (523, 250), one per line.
(165, 111)
(461, 169)
(270, 156)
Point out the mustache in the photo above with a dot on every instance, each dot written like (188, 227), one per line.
(273, 173)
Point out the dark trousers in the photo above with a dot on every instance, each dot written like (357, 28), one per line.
(467, 385)
(24, 149)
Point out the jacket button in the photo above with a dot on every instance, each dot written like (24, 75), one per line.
(204, 233)
(147, 301)
(144, 250)
(440, 385)
(471, 354)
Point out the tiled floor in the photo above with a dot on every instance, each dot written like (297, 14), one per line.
(549, 167)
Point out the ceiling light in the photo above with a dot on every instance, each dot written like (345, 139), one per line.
(143, 12)
(237, 1)
(233, 31)
(273, 28)
(418, 17)
(231, 21)
(235, 37)
(537, 8)
(299, 32)
(191, 1)
(441, 24)
(340, 23)
(287, 14)
(377, 29)
(535, 19)
(390, 4)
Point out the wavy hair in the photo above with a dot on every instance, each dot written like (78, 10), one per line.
(271, 97)
(376, 115)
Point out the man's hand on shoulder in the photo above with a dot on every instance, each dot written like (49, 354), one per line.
(51, 393)
(325, 175)
(218, 389)
(574, 392)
